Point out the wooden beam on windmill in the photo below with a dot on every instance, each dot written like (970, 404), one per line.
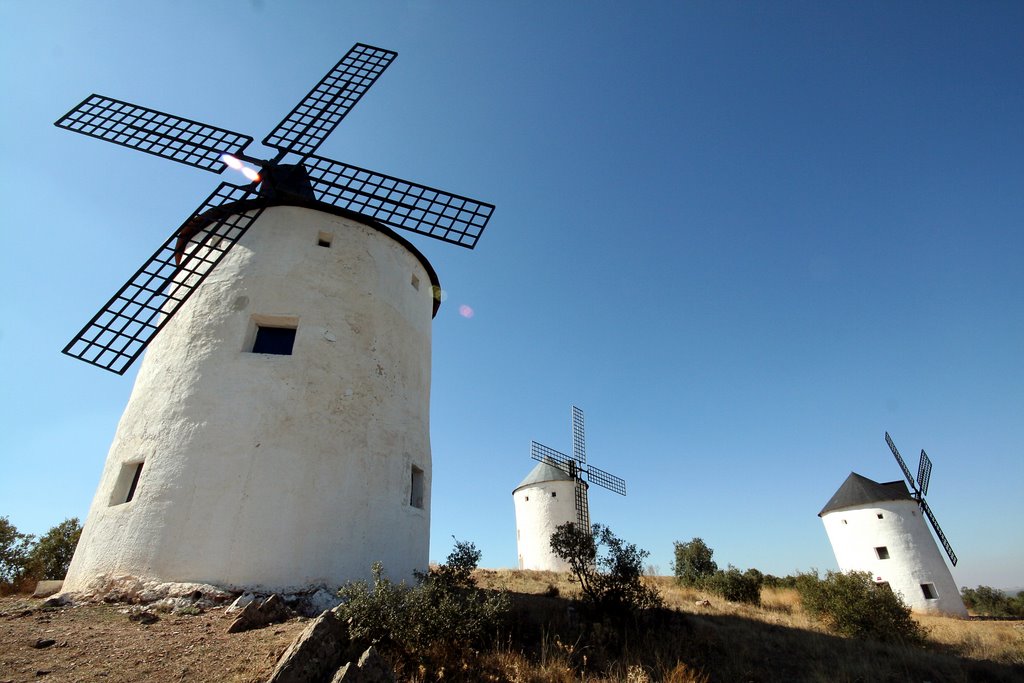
(115, 337)
(576, 468)
(920, 488)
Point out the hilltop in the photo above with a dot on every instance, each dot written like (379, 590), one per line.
(692, 641)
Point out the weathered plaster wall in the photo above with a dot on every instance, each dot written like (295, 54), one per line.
(914, 557)
(538, 513)
(278, 471)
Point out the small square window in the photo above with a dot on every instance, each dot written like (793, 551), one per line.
(324, 239)
(274, 340)
(844, 521)
(880, 515)
(554, 494)
(929, 591)
(882, 552)
(526, 498)
(415, 282)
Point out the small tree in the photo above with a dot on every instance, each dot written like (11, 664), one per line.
(14, 553)
(693, 564)
(853, 605)
(612, 579)
(50, 557)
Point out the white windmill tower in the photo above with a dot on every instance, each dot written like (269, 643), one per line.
(879, 528)
(277, 435)
(554, 493)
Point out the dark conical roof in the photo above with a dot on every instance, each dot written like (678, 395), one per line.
(858, 490)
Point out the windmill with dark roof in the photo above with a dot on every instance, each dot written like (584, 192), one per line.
(880, 528)
(278, 432)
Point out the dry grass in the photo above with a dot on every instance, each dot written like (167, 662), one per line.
(693, 642)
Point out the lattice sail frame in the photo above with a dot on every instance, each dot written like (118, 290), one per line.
(920, 488)
(115, 337)
(577, 467)
(120, 331)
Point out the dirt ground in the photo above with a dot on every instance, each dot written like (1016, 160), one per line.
(100, 643)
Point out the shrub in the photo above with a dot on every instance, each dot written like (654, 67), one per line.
(993, 602)
(50, 557)
(852, 604)
(736, 586)
(443, 616)
(612, 579)
(693, 564)
(14, 553)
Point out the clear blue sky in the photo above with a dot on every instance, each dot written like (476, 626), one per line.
(745, 238)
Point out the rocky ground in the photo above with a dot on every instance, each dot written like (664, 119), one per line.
(115, 643)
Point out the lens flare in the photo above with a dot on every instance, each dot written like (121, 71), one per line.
(235, 164)
(466, 311)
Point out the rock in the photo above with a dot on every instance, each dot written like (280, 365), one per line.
(43, 643)
(255, 615)
(702, 603)
(315, 654)
(240, 603)
(59, 600)
(371, 668)
(45, 589)
(315, 603)
(144, 617)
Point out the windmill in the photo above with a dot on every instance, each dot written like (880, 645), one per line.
(576, 468)
(920, 490)
(286, 380)
(115, 337)
(879, 528)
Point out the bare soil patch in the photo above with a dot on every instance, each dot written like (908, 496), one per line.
(98, 642)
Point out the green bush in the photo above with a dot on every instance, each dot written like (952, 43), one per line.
(993, 602)
(52, 554)
(852, 604)
(693, 564)
(440, 618)
(609, 570)
(736, 586)
(14, 552)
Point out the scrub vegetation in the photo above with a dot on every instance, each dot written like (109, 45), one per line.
(25, 560)
(458, 622)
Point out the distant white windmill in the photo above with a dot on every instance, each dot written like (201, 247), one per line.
(554, 493)
(879, 528)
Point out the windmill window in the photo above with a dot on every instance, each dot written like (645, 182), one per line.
(415, 282)
(324, 240)
(882, 552)
(880, 515)
(554, 494)
(277, 341)
(416, 488)
(526, 498)
(844, 521)
(127, 483)
(929, 591)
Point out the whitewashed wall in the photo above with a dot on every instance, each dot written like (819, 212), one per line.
(914, 557)
(268, 471)
(540, 508)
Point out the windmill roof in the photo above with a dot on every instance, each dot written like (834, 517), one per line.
(859, 490)
(543, 472)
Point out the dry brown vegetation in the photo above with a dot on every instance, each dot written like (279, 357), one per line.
(547, 642)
